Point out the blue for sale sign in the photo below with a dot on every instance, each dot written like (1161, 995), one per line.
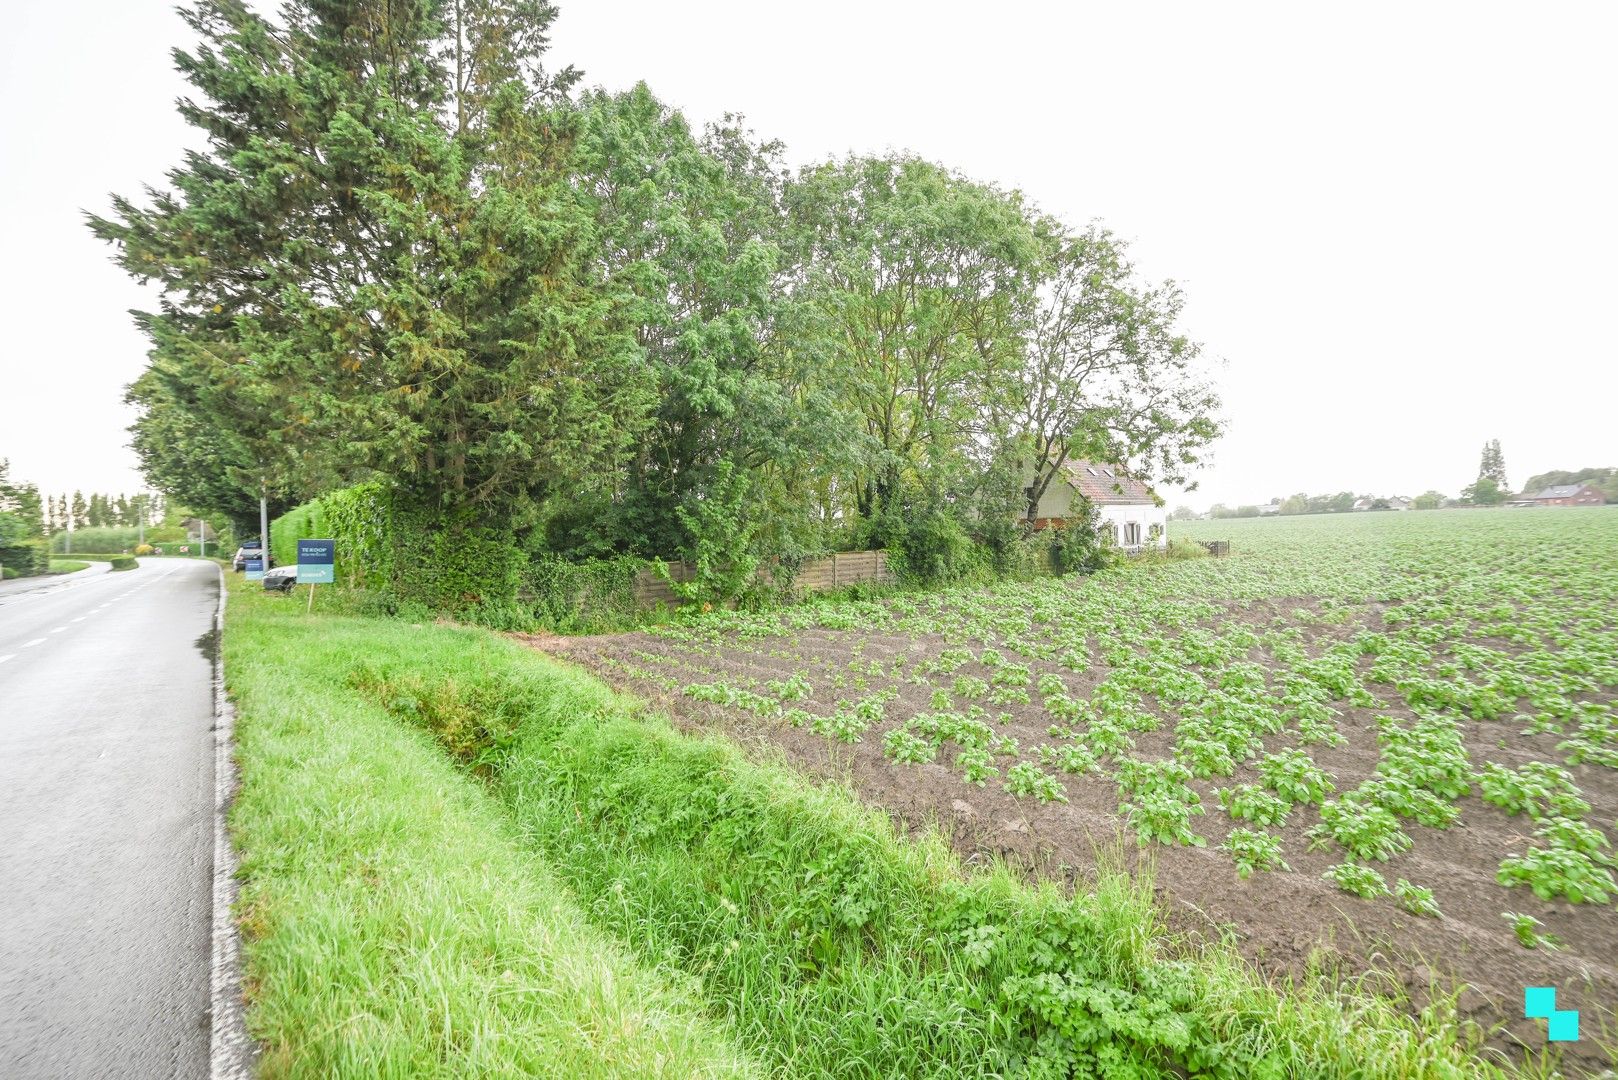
(317, 562)
(254, 568)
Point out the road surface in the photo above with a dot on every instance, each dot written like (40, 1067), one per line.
(106, 821)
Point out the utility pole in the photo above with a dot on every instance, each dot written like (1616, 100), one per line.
(264, 521)
(140, 520)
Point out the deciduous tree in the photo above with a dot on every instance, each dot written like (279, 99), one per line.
(1107, 375)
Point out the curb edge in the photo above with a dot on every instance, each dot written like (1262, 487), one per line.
(231, 1051)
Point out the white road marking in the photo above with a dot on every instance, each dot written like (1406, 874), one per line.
(6, 657)
(31, 644)
(81, 618)
(59, 629)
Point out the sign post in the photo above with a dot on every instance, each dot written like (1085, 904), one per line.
(317, 565)
(254, 568)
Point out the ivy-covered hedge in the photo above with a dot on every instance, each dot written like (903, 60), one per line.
(460, 565)
(358, 518)
(588, 597)
(414, 555)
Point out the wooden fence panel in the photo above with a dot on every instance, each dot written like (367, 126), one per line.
(816, 575)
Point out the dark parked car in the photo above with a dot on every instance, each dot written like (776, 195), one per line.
(250, 549)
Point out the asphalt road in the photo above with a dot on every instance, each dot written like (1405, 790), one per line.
(106, 822)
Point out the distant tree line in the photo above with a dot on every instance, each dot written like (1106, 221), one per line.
(1489, 489)
(100, 511)
(562, 321)
(1342, 502)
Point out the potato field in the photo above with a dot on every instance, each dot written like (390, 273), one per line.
(1386, 741)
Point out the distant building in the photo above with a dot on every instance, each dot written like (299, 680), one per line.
(1569, 495)
(1392, 502)
(1269, 509)
(1127, 506)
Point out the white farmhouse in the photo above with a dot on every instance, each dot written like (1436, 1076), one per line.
(1129, 510)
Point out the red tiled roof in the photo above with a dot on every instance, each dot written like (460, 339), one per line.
(1106, 485)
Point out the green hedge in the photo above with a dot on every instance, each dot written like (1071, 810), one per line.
(124, 562)
(360, 520)
(122, 538)
(417, 554)
(170, 551)
(300, 523)
(458, 564)
(589, 597)
(26, 558)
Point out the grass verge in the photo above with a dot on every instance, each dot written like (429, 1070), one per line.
(393, 926)
(68, 566)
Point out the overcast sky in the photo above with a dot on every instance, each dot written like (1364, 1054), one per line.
(1395, 223)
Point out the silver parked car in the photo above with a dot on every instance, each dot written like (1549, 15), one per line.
(281, 579)
(250, 549)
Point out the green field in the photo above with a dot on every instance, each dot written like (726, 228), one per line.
(1316, 717)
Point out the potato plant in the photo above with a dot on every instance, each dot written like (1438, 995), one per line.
(1254, 850)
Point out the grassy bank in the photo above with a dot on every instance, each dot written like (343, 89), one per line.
(824, 943)
(393, 925)
(68, 566)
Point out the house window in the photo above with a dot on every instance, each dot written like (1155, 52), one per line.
(1131, 534)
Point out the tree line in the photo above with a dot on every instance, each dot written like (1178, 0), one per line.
(1491, 488)
(555, 319)
(99, 510)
